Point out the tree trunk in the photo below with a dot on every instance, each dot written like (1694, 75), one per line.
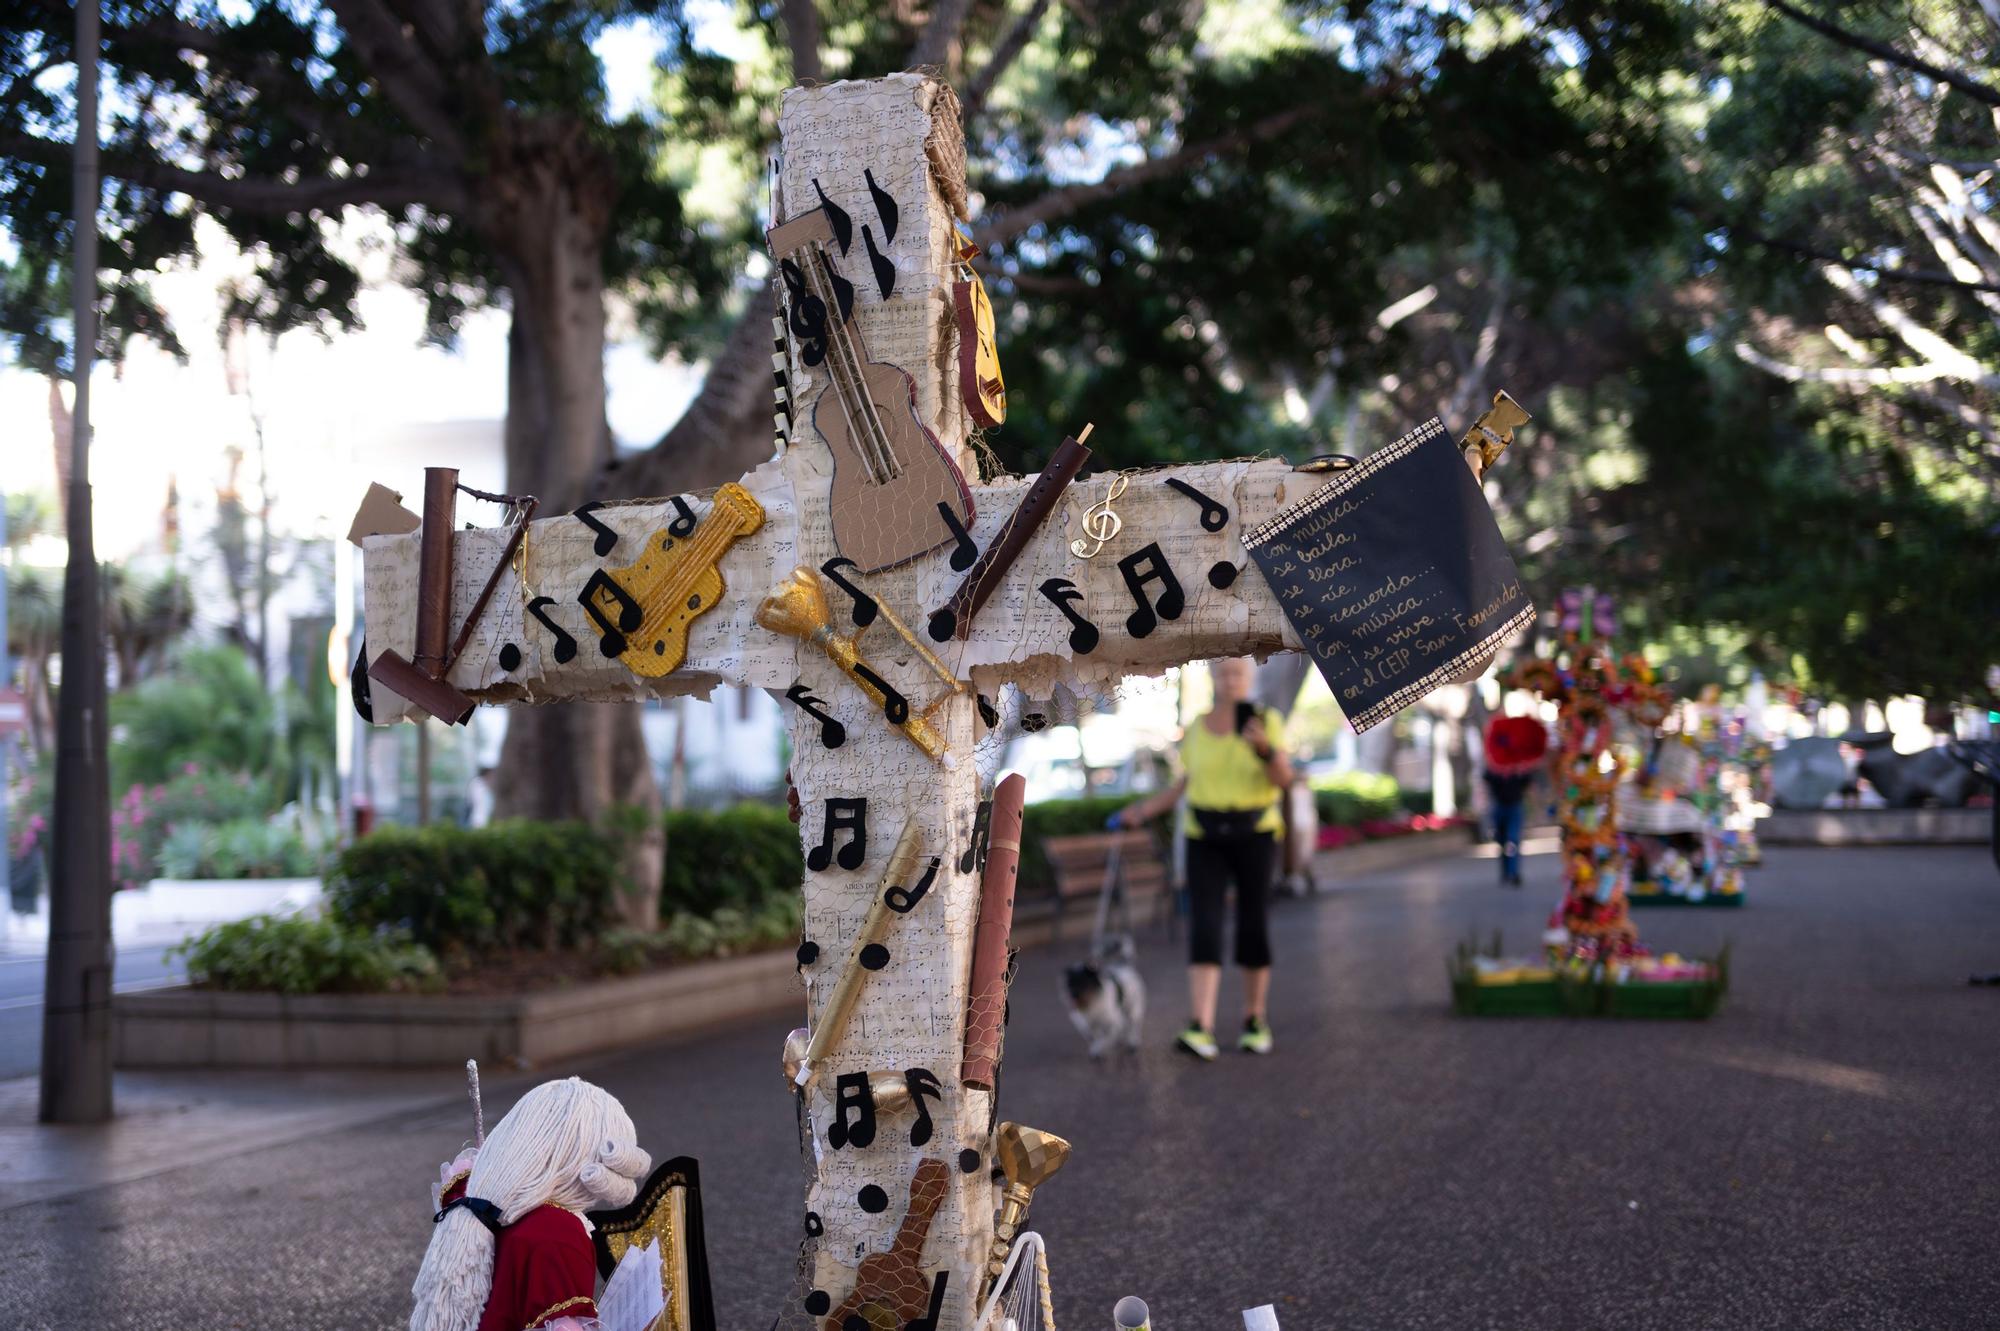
(549, 219)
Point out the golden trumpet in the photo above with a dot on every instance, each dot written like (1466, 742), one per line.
(798, 607)
(1028, 1158)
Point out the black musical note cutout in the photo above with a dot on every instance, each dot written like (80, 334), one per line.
(885, 207)
(510, 657)
(683, 524)
(943, 624)
(1034, 723)
(565, 645)
(988, 713)
(964, 551)
(607, 539)
(851, 1095)
(873, 957)
(836, 216)
(929, 1321)
(831, 733)
(1221, 574)
(1214, 516)
(846, 815)
(975, 845)
(611, 639)
(922, 1082)
(864, 604)
(885, 271)
(808, 314)
(904, 900)
(1083, 634)
(814, 1227)
(894, 705)
(1144, 565)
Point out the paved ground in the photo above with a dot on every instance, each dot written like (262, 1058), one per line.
(1819, 1156)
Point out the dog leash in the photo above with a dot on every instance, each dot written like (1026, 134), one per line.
(1113, 885)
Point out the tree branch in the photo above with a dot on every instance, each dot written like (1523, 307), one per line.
(1857, 375)
(801, 20)
(726, 429)
(1971, 87)
(407, 78)
(435, 188)
(1919, 276)
(973, 101)
(1060, 203)
(941, 30)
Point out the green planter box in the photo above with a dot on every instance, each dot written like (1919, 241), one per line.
(1726, 900)
(1687, 1000)
(1684, 999)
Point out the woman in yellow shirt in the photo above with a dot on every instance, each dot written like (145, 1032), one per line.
(1234, 770)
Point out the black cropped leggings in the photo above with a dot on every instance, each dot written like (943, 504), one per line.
(1212, 864)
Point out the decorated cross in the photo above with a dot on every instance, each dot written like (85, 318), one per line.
(861, 576)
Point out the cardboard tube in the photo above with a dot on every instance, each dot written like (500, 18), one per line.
(986, 1000)
(434, 570)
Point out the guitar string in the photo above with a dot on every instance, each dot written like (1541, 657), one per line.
(833, 378)
(820, 291)
(883, 466)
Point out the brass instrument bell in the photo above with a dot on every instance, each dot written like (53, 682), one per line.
(1028, 1158)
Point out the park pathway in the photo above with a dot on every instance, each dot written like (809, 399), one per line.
(1819, 1156)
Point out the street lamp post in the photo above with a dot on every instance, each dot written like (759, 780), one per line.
(76, 1015)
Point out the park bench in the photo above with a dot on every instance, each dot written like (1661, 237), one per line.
(1078, 864)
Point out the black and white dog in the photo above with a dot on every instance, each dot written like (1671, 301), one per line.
(1106, 997)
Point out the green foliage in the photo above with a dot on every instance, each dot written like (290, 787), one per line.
(292, 954)
(739, 858)
(210, 709)
(729, 932)
(239, 848)
(468, 891)
(145, 817)
(1347, 799)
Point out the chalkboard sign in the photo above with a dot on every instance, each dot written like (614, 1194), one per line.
(1394, 575)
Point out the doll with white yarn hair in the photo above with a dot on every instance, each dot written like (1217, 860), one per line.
(511, 1250)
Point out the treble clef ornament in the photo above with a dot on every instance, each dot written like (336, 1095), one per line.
(1100, 522)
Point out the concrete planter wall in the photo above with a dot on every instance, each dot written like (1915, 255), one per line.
(184, 1028)
(199, 1028)
(1876, 827)
(1332, 866)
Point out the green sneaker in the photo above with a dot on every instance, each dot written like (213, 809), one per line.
(1194, 1040)
(1256, 1037)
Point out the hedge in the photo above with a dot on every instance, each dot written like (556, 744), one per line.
(1348, 799)
(465, 890)
(738, 858)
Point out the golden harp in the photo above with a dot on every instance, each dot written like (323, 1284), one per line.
(668, 1209)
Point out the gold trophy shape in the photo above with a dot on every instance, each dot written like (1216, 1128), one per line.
(797, 607)
(1028, 1158)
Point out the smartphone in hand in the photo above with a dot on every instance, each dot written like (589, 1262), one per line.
(1245, 713)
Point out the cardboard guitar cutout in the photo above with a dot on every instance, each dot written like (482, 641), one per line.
(893, 482)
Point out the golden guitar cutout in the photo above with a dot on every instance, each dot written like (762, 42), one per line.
(980, 384)
(891, 476)
(643, 611)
